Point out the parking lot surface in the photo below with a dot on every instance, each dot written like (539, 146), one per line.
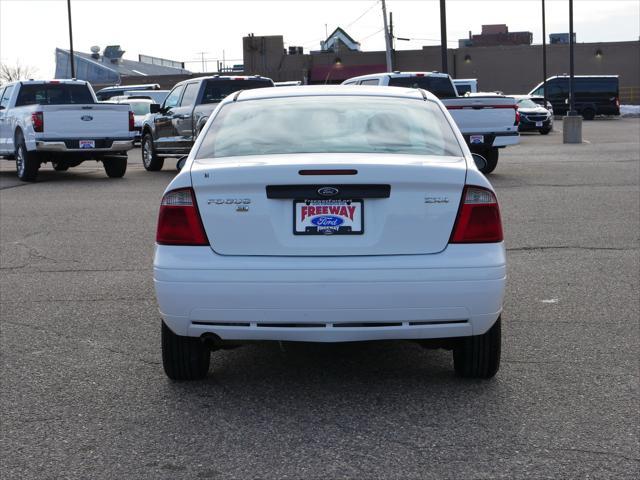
(83, 394)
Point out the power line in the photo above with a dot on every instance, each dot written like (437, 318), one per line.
(372, 34)
(363, 13)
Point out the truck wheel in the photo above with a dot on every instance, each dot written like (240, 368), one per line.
(151, 162)
(27, 163)
(588, 114)
(478, 356)
(545, 131)
(184, 358)
(115, 167)
(491, 155)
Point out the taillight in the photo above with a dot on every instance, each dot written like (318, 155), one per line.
(179, 222)
(132, 122)
(37, 120)
(478, 217)
(517, 122)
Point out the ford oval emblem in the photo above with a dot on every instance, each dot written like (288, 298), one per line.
(327, 221)
(328, 191)
(86, 118)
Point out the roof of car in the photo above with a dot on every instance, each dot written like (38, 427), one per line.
(332, 90)
(398, 74)
(224, 77)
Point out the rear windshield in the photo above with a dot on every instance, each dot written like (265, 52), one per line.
(53, 94)
(441, 87)
(139, 108)
(216, 90)
(329, 124)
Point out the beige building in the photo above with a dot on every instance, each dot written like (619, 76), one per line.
(508, 68)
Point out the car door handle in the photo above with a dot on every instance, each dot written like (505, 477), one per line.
(183, 117)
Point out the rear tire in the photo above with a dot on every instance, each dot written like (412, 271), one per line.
(184, 358)
(151, 161)
(478, 356)
(115, 167)
(491, 155)
(27, 163)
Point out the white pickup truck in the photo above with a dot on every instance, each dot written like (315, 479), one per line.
(60, 121)
(487, 123)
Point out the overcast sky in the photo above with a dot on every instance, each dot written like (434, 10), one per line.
(30, 30)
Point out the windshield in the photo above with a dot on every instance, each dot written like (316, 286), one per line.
(527, 103)
(441, 87)
(329, 124)
(53, 94)
(216, 90)
(139, 108)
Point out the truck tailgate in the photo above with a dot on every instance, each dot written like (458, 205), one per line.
(488, 114)
(85, 121)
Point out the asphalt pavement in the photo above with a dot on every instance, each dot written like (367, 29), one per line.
(83, 394)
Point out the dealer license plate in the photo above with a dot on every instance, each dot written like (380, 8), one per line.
(328, 217)
(87, 144)
(476, 139)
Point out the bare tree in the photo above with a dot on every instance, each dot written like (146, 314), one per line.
(10, 73)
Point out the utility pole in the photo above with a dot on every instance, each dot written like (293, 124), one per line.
(544, 57)
(71, 55)
(443, 36)
(204, 62)
(386, 37)
(392, 40)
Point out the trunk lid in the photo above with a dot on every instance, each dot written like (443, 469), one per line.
(86, 121)
(417, 217)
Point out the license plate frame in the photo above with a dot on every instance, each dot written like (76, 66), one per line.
(86, 144)
(538, 124)
(357, 219)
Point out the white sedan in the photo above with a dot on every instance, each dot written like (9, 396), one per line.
(330, 214)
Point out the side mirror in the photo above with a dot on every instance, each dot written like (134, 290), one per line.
(181, 162)
(154, 108)
(480, 161)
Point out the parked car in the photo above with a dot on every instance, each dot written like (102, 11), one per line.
(157, 96)
(594, 94)
(466, 85)
(533, 117)
(539, 100)
(327, 214)
(172, 127)
(487, 122)
(60, 121)
(108, 92)
(140, 107)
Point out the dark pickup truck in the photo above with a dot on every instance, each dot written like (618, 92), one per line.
(172, 128)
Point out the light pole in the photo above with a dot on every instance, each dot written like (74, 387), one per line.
(73, 66)
(544, 57)
(572, 104)
(572, 122)
(443, 36)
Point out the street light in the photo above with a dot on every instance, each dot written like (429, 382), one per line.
(73, 67)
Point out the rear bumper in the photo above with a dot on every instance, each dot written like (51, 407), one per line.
(456, 293)
(64, 146)
(500, 139)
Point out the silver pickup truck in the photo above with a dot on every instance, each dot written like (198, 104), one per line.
(60, 121)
